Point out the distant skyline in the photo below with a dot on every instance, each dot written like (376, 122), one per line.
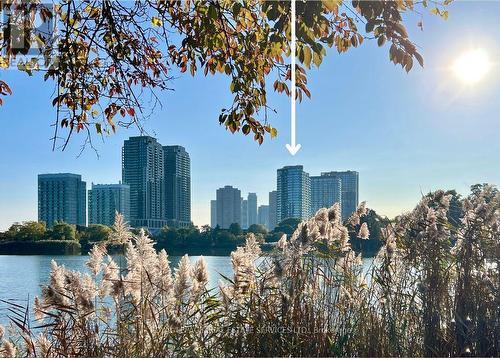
(405, 134)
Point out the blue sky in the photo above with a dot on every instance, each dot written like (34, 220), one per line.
(406, 134)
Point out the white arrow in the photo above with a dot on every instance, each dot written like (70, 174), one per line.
(293, 148)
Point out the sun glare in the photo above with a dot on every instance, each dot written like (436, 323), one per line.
(472, 66)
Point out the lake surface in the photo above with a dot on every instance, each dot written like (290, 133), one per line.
(21, 277)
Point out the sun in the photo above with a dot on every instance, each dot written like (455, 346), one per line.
(472, 66)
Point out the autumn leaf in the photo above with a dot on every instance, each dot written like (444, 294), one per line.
(155, 21)
(3, 63)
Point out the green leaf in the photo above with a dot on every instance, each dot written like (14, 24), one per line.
(369, 26)
(272, 12)
(236, 9)
(212, 11)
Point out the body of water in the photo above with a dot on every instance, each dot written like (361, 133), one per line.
(21, 277)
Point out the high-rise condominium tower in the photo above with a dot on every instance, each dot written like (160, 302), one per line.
(213, 213)
(244, 214)
(177, 186)
(325, 191)
(143, 168)
(61, 197)
(228, 206)
(252, 208)
(105, 200)
(263, 216)
(349, 190)
(273, 202)
(294, 193)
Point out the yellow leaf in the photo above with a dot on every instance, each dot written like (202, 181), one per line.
(156, 21)
(331, 5)
(3, 63)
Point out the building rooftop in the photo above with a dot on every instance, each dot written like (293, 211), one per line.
(97, 186)
(59, 175)
(301, 167)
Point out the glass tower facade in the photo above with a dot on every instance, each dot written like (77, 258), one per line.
(252, 208)
(244, 214)
(325, 191)
(349, 190)
(263, 216)
(143, 170)
(107, 199)
(62, 197)
(213, 213)
(273, 202)
(177, 186)
(294, 193)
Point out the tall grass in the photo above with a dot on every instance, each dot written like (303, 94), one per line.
(432, 291)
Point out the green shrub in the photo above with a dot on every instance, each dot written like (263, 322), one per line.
(41, 247)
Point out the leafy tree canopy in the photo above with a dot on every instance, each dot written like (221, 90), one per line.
(257, 229)
(95, 232)
(235, 229)
(27, 231)
(63, 231)
(110, 56)
(287, 226)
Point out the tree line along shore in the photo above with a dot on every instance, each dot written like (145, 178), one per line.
(34, 238)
